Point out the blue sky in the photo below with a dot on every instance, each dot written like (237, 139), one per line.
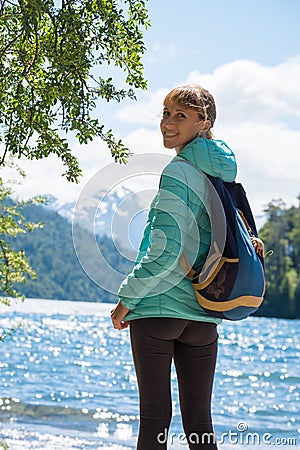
(206, 34)
(247, 53)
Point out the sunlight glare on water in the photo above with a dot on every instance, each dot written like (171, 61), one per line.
(68, 379)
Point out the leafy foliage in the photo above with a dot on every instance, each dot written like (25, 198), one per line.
(3, 445)
(50, 58)
(281, 233)
(14, 266)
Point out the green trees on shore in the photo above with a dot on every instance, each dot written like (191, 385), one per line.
(281, 234)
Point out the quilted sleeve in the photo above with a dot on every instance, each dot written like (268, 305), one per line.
(154, 272)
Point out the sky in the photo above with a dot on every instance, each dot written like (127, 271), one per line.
(247, 54)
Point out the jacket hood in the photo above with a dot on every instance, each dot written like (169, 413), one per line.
(213, 157)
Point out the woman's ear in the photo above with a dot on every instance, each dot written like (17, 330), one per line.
(205, 126)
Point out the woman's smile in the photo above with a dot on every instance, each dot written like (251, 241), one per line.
(179, 126)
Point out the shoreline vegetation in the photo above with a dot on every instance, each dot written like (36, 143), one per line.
(60, 276)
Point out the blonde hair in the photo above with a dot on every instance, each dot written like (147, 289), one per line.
(195, 97)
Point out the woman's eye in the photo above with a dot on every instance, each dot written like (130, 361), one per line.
(177, 116)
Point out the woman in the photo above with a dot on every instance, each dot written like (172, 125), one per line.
(166, 321)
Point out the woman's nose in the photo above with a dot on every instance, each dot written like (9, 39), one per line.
(169, 121)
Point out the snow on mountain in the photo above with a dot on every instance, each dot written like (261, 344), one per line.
(120, 214)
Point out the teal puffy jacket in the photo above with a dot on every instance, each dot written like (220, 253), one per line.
(177, 222)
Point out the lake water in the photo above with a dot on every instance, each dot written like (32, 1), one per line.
(67, 381)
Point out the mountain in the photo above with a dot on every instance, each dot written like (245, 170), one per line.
(119, 213)
(63, 270)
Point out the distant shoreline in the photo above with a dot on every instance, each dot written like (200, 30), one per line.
(40, 305)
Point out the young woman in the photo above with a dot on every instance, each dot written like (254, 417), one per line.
(166, 321)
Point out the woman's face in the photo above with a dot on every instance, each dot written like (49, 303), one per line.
(180, 125)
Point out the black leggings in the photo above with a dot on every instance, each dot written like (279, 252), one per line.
(193, 345)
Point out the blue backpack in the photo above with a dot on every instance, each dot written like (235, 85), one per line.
(231, 283)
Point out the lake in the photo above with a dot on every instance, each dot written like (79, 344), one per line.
(68, 381)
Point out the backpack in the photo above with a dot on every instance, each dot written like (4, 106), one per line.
(231, 283)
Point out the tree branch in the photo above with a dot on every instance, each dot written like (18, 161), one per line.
(10, 43)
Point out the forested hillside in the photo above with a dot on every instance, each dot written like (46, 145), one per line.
(281, 234)
(51, 253)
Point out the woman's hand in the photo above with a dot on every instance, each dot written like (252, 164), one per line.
(258, 246)
(117, 315)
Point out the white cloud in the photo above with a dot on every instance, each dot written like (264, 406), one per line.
(268, 160)
(146, 112)
(44, 176)
(245, 90)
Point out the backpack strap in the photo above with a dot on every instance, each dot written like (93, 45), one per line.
(249, 229)
(239, 196)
